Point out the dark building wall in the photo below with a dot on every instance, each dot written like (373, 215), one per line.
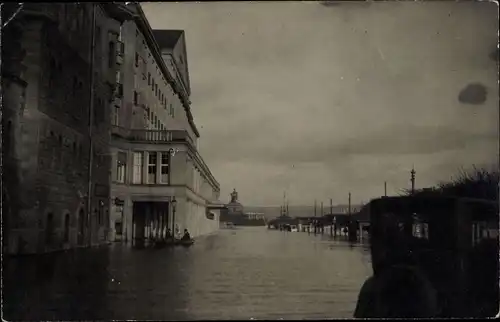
(49, 140)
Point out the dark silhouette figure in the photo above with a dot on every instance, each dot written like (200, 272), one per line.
(186, 236)
(483, 279)
(400, 291)
(398, 287)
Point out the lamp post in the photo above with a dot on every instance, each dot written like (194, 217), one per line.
(174, 205)
(412, 179)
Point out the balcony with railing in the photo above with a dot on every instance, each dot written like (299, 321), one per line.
(152, 136)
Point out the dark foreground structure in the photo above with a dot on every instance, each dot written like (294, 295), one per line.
(432, 256)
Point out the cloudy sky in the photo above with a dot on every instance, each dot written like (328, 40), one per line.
(322, 99)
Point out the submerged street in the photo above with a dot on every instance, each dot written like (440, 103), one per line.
(235, 274)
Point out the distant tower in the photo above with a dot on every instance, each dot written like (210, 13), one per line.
(412, 180)
(234, 196)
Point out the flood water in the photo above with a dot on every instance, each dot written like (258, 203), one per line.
(234, 274)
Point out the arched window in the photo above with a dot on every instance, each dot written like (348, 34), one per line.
(49, 229)
(66, 228)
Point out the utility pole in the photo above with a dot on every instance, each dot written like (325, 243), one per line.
(385, 188)
(349, 209)
(322, 209)
(314, 207)
(412, 180)
(91, 122)
(331, 214)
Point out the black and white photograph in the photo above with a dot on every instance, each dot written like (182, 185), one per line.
(249, 160)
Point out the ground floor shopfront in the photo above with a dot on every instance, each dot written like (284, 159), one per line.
(138, 216)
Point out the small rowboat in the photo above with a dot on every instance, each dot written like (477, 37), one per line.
(185, 243)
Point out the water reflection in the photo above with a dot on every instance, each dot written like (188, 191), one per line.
(243, 274)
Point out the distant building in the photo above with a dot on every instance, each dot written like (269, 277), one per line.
(56, 181)
(234, 213)
(234, 207)
(154, 143)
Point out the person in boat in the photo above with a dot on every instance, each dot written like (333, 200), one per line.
(186, 236)
(169, 235)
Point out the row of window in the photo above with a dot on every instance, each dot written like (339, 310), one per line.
(57, 78)
(158, 93)
(151, 117)
(139, 160)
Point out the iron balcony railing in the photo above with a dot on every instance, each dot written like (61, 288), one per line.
(152, 136)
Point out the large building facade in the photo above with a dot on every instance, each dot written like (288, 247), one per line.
(154, 140)
(59, 63)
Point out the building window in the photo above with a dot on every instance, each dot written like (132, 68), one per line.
(172, 110)
(149, 78)
(100, 213)
(136, 60)
(136, 98)
(116, 116)
(138, 160)
(165, 163)
(121, 167)
(66, 228)
(152, 167)
(111, 54)
(153, 85)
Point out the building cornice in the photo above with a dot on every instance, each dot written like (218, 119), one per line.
(147, 31)
(199, 160)
(177, 70)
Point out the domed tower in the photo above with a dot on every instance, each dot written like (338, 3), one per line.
(234, 207)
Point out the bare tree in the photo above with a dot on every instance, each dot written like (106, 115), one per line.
(478, 183)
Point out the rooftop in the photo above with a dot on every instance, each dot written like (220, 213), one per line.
(167, 38)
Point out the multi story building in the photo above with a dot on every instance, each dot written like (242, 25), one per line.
(154, 140)
(58, 76)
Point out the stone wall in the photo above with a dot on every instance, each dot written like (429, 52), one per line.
(49, 136)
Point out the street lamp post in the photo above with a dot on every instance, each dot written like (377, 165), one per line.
(174, 205)
(412, 179)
